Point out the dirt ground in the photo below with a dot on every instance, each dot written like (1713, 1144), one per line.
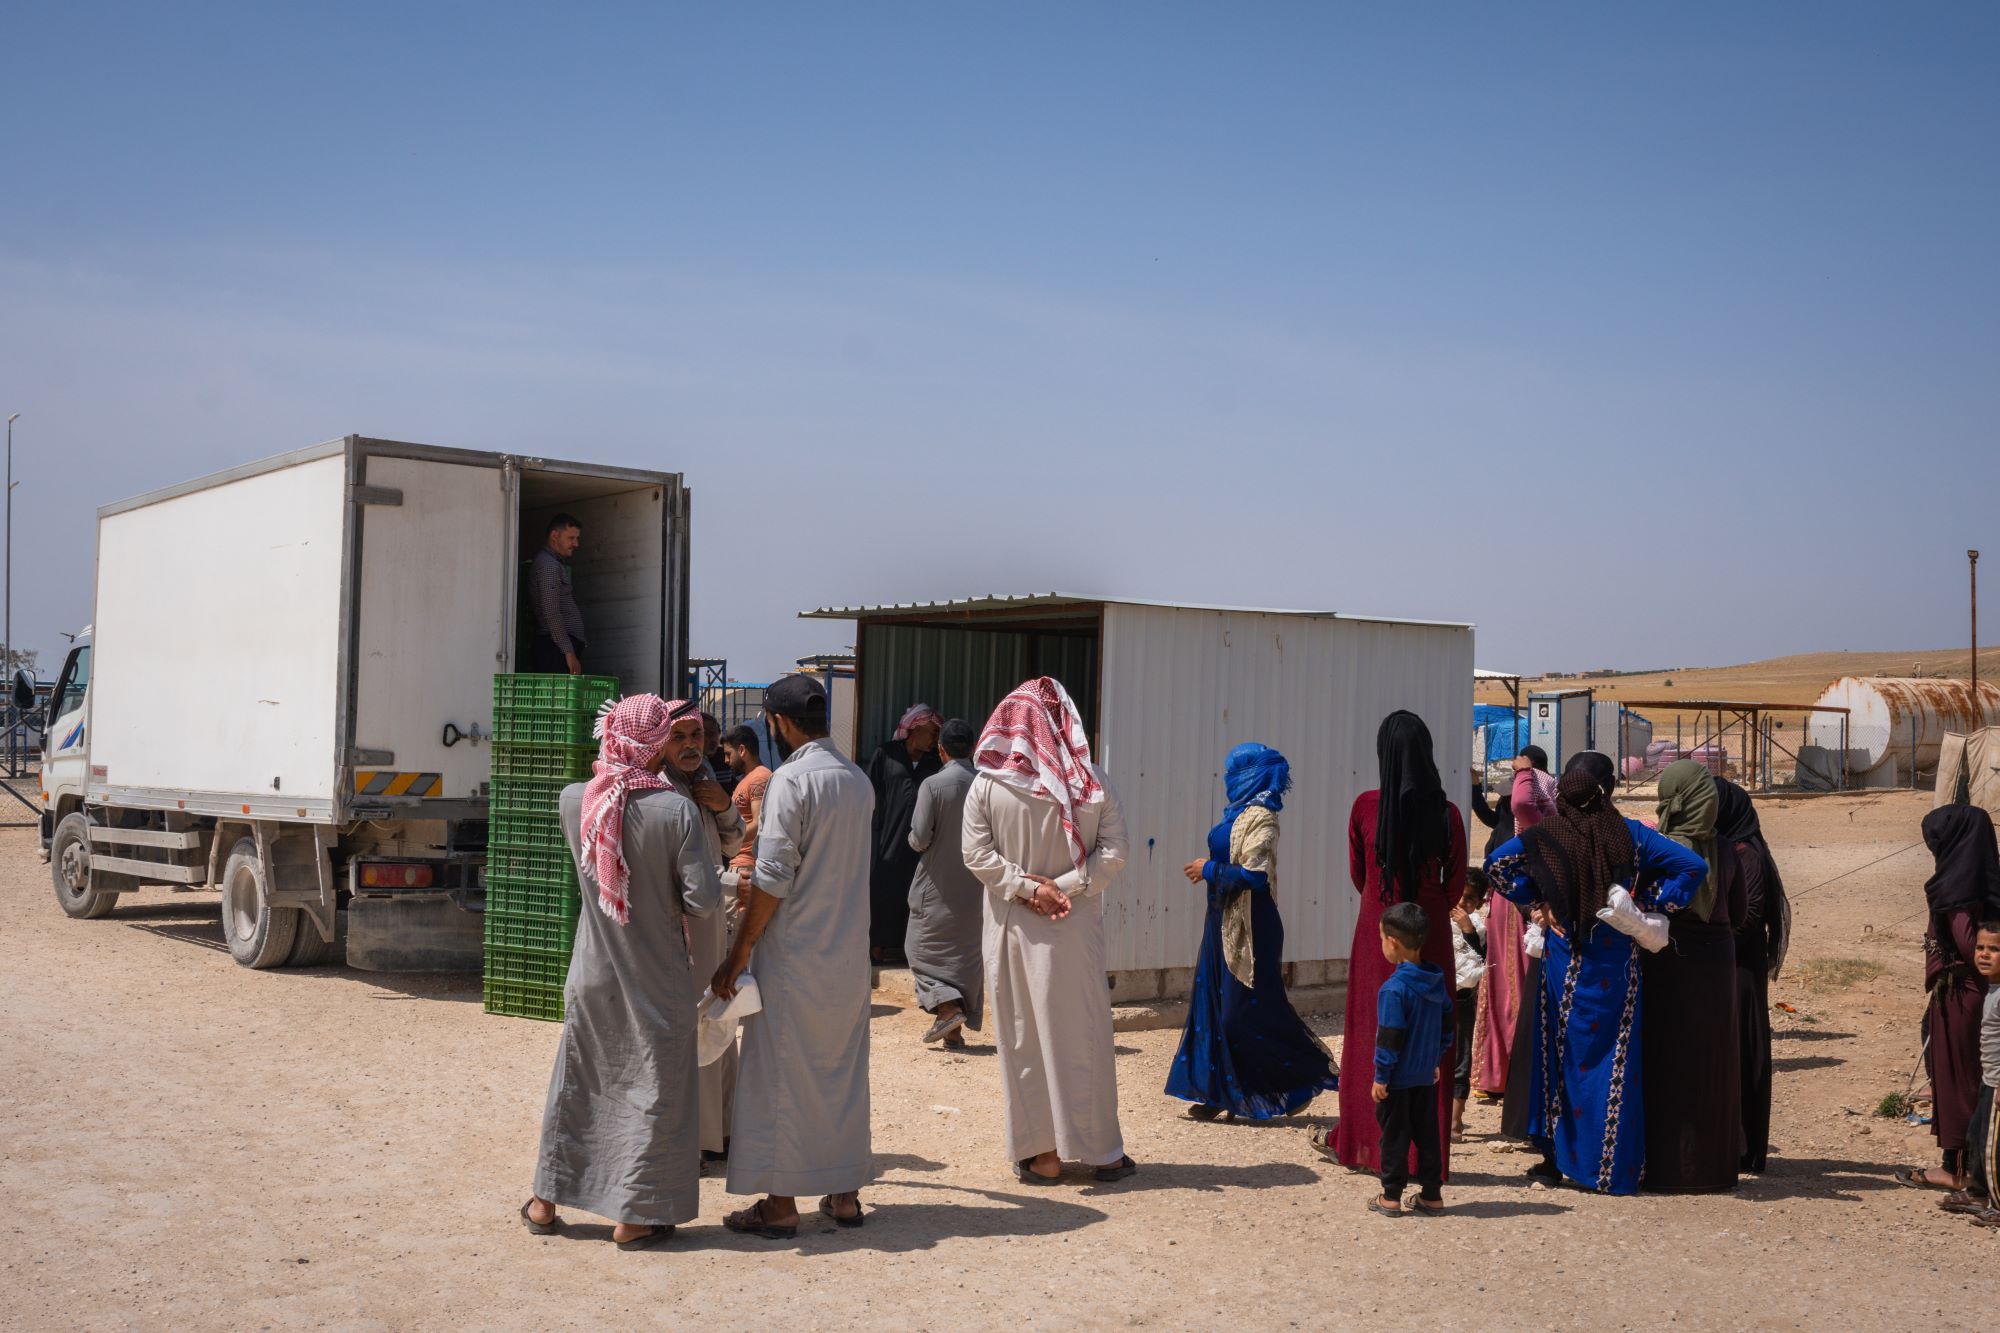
(185, 1142)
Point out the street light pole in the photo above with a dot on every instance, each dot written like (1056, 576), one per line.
(1972, 557)
(7, 627)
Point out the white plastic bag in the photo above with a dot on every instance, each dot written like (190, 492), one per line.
(1531, 940)
(715, 1033)
(1623, 915)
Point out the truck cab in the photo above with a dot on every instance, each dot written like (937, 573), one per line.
(64, 757)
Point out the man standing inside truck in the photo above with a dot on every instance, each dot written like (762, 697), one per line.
(801, 1123)
(559, 637)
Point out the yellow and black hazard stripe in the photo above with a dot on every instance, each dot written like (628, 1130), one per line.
(373, 783)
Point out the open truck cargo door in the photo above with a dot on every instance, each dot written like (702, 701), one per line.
(433, 592)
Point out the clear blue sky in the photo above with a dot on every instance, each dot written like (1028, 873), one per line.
(1639, 338)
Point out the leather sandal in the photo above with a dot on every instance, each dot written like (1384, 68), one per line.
(548, 1228)
(1027, 1175)
(826, 1208)
(750, 1222)
(657, 1236)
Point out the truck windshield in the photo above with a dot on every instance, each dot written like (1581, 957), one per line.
(75, 680)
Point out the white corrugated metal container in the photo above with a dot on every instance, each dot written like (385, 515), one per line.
(1175, 688)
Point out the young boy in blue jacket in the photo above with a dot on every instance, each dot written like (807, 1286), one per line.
(1412, 1033)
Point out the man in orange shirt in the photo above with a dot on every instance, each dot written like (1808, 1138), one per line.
(740, 752)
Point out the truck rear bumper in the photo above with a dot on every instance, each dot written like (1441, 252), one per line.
(414, 933)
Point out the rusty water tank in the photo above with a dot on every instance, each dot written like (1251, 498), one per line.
(1895, 719)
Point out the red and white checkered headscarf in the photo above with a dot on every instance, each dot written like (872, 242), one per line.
(631, 734)
(1034, 742)
(918, 715)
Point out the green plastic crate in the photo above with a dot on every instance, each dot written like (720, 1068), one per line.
(534, 798)
(531, 865)
(521, 999)
(512, 897)
(570, 694)
(513, 760)
(543, 726)
(539, 967)
(522, 930)
(540, 832)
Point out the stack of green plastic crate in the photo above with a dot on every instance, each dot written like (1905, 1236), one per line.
(541, 744)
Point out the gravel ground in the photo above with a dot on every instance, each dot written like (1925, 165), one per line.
(185, 1141)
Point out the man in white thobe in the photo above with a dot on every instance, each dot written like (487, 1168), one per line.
(801, 1119)
(1044, 834)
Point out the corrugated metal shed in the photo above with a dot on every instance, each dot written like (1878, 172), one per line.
(1166, 691)
(1181, 688)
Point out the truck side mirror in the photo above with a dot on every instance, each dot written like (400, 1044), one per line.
(24, 691)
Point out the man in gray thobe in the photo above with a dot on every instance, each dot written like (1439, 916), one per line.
(619, 1128)
(947, 917)
(801, 1122)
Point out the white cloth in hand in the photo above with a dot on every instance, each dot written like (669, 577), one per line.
(1531, 940)
(1623, 915)
(716, 1031)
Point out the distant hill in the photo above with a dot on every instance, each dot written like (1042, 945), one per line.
(1789, 680)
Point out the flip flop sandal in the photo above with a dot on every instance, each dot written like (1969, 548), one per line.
(657, 1236)
(1322, 1142)
(548, 1228)
(750, 1222)
(1416, 1208)
(1125, 1167)
(1027, 1176)
(1917, 1178)
(1990, 1218)
(1376, 1206)
(826, 1208)
(1964, 1201)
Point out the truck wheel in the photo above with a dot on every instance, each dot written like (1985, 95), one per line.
(258, 934)
(309, 950)
(69, 866)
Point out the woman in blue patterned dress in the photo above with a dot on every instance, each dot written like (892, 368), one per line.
(1245, 1050)
(1586, 1104)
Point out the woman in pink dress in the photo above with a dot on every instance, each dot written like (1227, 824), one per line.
(1531, 799)
(1405, 843)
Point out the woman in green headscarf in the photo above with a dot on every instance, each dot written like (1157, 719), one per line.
(1694, 1113)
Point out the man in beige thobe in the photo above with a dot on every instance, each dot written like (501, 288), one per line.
(1044, 936)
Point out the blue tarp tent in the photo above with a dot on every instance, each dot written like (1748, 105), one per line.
(1506, 729)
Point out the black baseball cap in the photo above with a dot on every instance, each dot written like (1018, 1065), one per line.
(798, 697)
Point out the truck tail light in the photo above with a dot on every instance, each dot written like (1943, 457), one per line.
(382, 875)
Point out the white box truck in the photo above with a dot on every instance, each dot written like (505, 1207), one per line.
(286, 692)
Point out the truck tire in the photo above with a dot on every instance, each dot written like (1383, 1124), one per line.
(309, 950)
(69, 867)
(258, 934)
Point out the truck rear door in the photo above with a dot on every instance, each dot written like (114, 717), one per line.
(435, 579)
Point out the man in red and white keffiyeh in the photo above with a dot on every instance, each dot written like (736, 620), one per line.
(633, 736)
(918, 716)
(1034, 742)
(1044, 835)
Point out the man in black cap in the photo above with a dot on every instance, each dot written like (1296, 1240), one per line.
(800, 1125)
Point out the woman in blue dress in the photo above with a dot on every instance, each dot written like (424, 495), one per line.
(1586, 1104)
(1245, 1050)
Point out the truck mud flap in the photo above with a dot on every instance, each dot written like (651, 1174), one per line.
(425, 933)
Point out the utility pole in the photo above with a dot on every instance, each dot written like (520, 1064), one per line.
(1972, 557)
(7, 628)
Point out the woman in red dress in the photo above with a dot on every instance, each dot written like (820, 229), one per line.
(1405, 843)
